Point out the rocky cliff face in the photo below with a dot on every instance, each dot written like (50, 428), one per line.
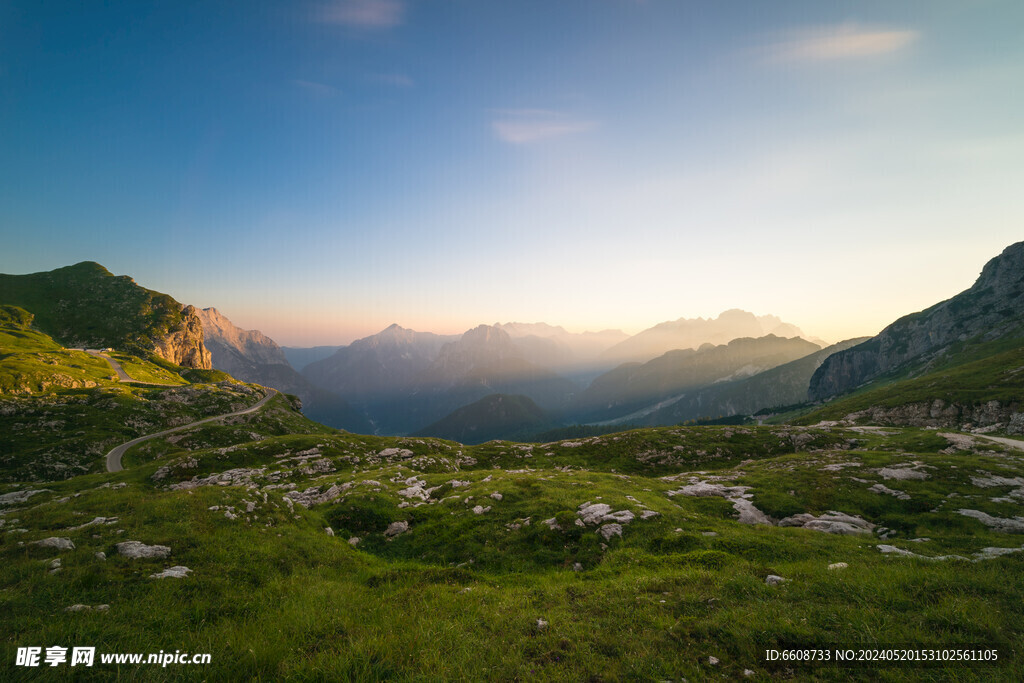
(991, 309)
(235, 350)
(184, 344)
(997, 415)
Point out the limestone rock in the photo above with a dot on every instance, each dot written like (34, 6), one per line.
(184, 344)
(177, 572)
(831, 522)
(58, 543)
(137, 549)
(396, 528)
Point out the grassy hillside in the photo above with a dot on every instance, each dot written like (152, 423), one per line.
(971, 376)
(62, 410)
(478, 586)
(84, 305)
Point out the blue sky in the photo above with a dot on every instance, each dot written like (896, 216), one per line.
(318, 170)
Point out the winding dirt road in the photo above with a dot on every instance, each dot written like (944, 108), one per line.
(122, 376)
(114, 456)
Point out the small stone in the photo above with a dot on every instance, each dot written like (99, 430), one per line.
(101, 555)
(178, 572)
(480, 509)
(577, 567)
(58, 543)
(609, 530)
(496, 496)
(354, 541)
(838, 565)
(773, 580)
(137, 549)
(541, 624)
(705, 533)
(396, 528)
(78, 608)
(329, 531)
(748, 673)
(713, 661)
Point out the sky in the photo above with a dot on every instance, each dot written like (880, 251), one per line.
(319, 170)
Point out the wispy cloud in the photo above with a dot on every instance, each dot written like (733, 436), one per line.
(364, 14)
(842, 41)
(316, 89)
(523, 126)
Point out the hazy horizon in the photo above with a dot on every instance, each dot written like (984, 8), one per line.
(319, 170)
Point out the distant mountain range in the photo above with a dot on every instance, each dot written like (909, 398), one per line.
(692, 333)
(402, 381)
(635, 390)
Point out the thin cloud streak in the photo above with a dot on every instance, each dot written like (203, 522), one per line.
(364, 14)
(523, 126)
(842, 41)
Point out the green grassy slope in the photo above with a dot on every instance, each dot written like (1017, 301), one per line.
(459, 594)
(62, 410)
(84, 305)
(971, 376)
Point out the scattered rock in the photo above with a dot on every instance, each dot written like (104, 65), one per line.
(552, 524)
(902, 473)
(883, 489)
(55, 566)
(647, 514)
(312, 496)
(87, 608)
(773, 580)
(97, 520)
(354, 541)
(748, 513)
(480, 509)
(58, 543)
(329, 531)
(713, 661)
(1013, 525)
(17, 497)
(177, 572)
(137, 549)
(541, 624)
(837, 565)
(703, 533)
(609, 530)
(838, 466)
(496, 496)
(101, 555)
(831, 522)
(577, 567)
(396, 528)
